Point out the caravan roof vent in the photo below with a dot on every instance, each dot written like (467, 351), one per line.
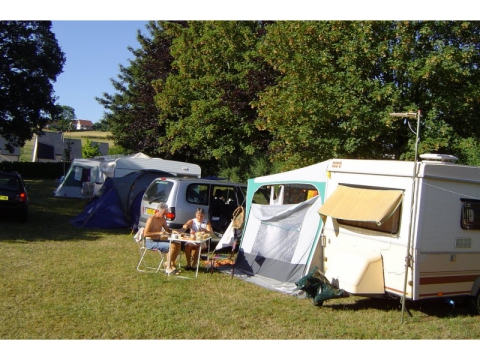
(439, 158)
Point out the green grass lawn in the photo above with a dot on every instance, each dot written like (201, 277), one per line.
(60, 282)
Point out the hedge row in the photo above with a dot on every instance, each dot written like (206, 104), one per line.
(36, 170)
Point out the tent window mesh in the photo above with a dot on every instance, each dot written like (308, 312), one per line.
(275, 242)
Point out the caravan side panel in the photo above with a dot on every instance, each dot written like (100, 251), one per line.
(124, 166)
(447, 256)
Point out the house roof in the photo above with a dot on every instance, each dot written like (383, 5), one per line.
(75, 148)
(83, 122)
(56, 140)
(45, 151)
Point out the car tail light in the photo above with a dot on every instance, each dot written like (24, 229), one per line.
(170, 215)
(22, 197)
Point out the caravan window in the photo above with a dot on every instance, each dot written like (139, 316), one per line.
(470, 219)
(297, 193)
(377, 209)
(390, 226)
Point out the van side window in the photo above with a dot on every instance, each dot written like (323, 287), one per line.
(470, 219)
(197, 194)
(391, 226)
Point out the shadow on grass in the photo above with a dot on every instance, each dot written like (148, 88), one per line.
(62, 231)
(440, 308)
(49, 219)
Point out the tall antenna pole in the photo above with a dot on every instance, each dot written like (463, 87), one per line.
(408, 257)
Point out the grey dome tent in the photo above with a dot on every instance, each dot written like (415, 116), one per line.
(117, 203)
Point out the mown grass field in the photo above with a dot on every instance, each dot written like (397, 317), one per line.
(61, 282)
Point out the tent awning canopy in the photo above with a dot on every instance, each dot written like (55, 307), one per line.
(359, 204)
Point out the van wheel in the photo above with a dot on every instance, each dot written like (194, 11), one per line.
(474, 303)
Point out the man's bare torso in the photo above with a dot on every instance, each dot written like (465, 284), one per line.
(156, 226)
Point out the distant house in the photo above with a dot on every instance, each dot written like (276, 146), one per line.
(6, 155)
(82, 124)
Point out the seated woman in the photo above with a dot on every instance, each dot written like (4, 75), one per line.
(154, 227)
(196, 225)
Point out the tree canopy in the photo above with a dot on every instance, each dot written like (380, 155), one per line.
(340, 81)
(230, 94)
(65, 116)
(30, 61)
(206, 102)
(132, 116)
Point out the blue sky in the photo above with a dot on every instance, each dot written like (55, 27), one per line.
(93, 51)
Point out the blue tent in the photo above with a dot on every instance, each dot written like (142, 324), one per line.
(117, 203)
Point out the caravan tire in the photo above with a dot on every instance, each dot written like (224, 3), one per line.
(474, 302)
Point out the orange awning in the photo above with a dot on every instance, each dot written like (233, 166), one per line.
(356, 204)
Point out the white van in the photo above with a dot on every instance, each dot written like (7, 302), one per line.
(185, 195)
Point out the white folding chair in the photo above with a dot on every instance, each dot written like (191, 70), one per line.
(218, 258)
(148, 264)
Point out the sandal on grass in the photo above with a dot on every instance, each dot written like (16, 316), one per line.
(172, 272)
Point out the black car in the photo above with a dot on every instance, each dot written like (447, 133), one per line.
(13, 196)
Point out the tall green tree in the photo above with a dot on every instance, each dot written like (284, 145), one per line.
(132, 116)
(66, 114)
(101, 125)
(205, 102)
(341, 79)
(30, 61)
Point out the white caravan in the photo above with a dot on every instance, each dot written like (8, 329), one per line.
(407, 229)
(86, 176)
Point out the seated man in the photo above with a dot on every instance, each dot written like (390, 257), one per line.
(154, 227)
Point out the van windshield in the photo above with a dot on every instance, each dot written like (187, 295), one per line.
(158, 191)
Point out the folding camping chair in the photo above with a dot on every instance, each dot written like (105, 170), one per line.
(147, 264)
(230, 238)
(218, 260)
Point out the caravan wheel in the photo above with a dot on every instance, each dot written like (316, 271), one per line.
(475, 303)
